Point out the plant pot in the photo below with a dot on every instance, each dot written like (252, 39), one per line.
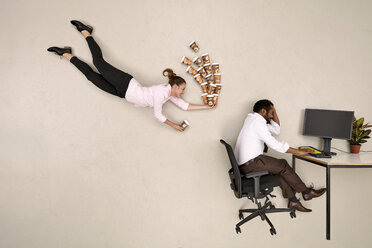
(355, 148)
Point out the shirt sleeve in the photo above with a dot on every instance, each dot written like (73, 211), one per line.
(265, 135)
(273, 127)
(158, 108)
(179, 102)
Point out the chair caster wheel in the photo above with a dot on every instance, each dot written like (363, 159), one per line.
(241, 216)
(272, 231)
(272, 206)
(237, 229)
(292, 214)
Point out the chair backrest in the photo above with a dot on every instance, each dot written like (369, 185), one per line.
(234, 173)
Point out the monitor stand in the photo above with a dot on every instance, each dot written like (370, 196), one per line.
(326, 153)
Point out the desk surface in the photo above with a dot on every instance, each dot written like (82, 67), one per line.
(343, 158)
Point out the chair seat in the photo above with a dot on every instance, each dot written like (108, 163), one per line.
(267, 181)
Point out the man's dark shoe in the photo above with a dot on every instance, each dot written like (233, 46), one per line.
(60, 51)
(298, 206)
(313, 194)
(80, 26)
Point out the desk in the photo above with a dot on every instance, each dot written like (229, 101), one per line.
(341, 160)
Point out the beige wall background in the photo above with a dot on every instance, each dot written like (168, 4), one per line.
(82, 168)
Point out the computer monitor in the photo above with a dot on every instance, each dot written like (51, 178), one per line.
(328, 124)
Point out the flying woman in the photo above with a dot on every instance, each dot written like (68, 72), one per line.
(121, 84)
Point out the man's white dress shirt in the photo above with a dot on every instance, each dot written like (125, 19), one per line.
(254, 134)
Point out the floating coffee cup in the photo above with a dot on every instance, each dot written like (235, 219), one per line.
(209, 79)
(205, 99)
(218, 88)
(215, 99)
(206, 58)
(185, 124)
(191, 70)
(198, 78)
(198, 61)
(208, 68)
(186, 60)
(210, 100)
(194, 46)
(217, 78)
(204, 87)
(216, 67)
(211, 88)
(202, 72)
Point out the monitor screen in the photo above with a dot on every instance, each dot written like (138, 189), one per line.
(328, 123)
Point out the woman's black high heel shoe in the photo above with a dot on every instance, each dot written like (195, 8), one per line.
(80, 26)
(59, 51)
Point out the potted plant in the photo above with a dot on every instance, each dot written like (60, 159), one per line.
(360, 134)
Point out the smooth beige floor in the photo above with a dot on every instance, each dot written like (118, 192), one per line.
(82, 168)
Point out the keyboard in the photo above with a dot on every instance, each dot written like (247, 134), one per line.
(317, 153)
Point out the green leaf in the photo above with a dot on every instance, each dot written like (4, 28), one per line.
(362, 141)
(367, 125)
(360, 122)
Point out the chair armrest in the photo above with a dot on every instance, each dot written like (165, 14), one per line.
(256, 174)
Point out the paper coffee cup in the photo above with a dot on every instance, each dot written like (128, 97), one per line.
(191, 70)
(216, 67)
(218, 88)
(211, 88)
(204, 87)
(208, 68)
(185, 60)
(198, 78)
(205, 99)
(210, 99)
(198, 61)
(202, 72)
(206, 58)
(215, 99)
(194, 46)
(217, 78)
(185, 124)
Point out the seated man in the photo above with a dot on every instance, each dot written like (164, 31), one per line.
(258, 129)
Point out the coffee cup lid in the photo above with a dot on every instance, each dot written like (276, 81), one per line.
(209, 75)
(192, 42)
(209, 95)
(195, 59)
(208, 64)
(187, 122)
(204, 94)
(204, 83)
(215, 64)
(215, 94)
(218, 84)
(200, 68)
(219, 74)
(183, 59)
(204, 54)
(213, 85)
(188, 68)
(196, 75)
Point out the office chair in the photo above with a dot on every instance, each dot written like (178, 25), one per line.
(254, 186)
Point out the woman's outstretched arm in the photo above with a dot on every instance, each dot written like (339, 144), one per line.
(196, 107)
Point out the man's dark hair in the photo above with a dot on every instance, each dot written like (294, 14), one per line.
(262, 104)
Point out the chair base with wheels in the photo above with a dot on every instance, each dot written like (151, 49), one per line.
(254, 186)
